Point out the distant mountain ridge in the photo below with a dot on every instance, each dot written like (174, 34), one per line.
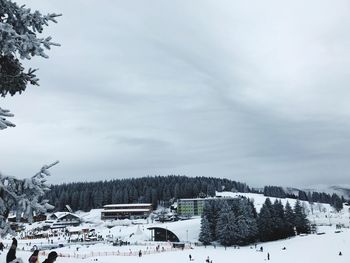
(341, 190)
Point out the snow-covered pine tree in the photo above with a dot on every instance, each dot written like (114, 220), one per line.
(226, 226)
(241, 230)
(205, 233)
(23, 197)
(19, 27)
(337, 202)
(246, 210)
(279, 220)
(290, 220)
(211, 211)
(265, 221)
(302, 224)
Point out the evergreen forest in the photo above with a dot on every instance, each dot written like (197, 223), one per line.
(163, 189)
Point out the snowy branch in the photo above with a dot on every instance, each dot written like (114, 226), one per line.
(19, 29)
(22, 197)
(3, 122)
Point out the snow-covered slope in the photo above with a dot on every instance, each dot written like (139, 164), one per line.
(302, 249)
(318, 213)
(137, 233)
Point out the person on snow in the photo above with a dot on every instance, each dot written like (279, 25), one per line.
(11, 254)
(51, 257)
(34, 258)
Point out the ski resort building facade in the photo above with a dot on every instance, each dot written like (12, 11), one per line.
(194, 206)
(63, 220)
(126, 211)
(190, 207)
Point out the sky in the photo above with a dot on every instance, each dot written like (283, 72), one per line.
(253, 91)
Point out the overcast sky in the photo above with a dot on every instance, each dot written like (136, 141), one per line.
(254, 91)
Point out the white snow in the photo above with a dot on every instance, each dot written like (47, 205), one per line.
(301, 249)
(310, 248)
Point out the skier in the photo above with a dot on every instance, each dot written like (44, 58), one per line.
(340, 254)
(51, 257)
(11, 254)
(34, 258)
(190, 256)
(1, 246)
(261, 249)
(268, 256)
(140, 253)
(207, 260)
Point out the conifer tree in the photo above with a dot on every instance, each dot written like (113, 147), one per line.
(211, 211)
(302, 224)
(246, 226)
(265, 221)
(279, 220)
(19, 29)
(290, 220)
(205, 233)
(336, 202)
(226, 226)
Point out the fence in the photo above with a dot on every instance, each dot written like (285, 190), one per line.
(115, 253)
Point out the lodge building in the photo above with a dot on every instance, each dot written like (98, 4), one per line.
(126, 211)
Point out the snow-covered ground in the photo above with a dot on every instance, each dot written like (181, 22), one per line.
(310, 248)
(302, 249)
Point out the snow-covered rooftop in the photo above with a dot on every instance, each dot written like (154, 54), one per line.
(125, 205)
(127, 210)
(62, 214)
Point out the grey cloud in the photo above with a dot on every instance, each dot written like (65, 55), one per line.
(255, 92)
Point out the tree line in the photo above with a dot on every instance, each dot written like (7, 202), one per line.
(236, 222)
(313, 197)
(152, 189)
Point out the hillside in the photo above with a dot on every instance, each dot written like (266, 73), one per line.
(151, 189)
(158, 189)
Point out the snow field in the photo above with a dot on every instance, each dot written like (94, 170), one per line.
(301, 249)
(311, 248)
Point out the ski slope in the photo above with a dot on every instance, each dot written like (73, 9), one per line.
(301, 249)
(311, 248)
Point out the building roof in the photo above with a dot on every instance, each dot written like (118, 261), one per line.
(125, 205)
(185, 230)
(60, 215)
(206, 198)
(127, 210)
(193, 199)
